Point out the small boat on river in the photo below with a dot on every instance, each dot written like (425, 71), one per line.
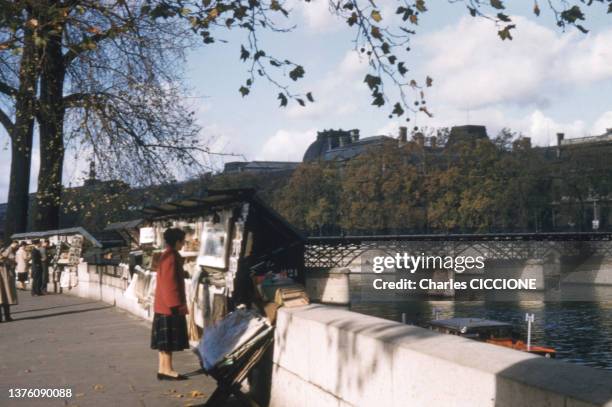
(489, 331)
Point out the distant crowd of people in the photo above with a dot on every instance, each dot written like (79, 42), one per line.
(19, 263)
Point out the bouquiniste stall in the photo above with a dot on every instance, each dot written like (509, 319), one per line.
(67, 247)
(235, 244)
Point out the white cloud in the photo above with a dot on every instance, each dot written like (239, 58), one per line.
(351, 65)
(316, 15)
(543, 129)
(590, 59)
(224, 143)
(603, 123)
(473, 68)
(390, 129)
(319, 16)
(535, 124)
(287, 145)
(224, 140)
(338, 94)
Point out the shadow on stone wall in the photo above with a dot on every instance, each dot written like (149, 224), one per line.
(551, 387)
(352, 361)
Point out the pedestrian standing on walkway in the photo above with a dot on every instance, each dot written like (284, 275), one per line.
(37, 268)
(22, 258)
(8, 291)
(10, 257)
(169, 331)
(44, 258)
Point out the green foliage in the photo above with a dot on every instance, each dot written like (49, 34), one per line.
(381, 190)
(311, 199)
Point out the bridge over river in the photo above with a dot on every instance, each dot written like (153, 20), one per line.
(550, 258)
(342, 251)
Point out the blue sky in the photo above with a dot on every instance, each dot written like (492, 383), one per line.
(543, 82)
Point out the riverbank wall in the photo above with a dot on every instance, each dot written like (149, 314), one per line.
(329, 356)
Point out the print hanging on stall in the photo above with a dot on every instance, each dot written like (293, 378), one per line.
(213, 247)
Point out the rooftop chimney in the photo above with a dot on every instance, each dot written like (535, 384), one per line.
(560, 137)
(403, 134)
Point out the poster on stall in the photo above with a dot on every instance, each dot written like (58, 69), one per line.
(213, 247)
(147, 235)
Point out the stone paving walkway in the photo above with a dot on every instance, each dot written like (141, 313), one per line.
(98, 351)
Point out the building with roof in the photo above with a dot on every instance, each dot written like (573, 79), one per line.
(258, 166)
(566, 144)
(466, 134)
(340, 145)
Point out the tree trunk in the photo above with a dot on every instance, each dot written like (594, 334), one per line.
(18, 197)
(48, 197)
(21, 140)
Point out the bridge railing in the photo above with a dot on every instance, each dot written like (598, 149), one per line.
(340, 251)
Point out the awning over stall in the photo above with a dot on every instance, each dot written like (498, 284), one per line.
(126, 231)
(59, 232)
(118, 226)
(208, 200)
(211, 200)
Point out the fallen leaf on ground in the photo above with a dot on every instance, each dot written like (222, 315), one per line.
(98, 387)
(195, 393)
(79, 394)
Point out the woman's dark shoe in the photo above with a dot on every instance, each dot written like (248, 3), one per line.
(8, 319)
(161, 376)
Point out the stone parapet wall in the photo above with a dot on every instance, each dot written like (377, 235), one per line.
(329, 356)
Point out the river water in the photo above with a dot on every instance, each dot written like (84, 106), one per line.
(577, 324)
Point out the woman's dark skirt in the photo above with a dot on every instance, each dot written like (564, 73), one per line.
(169, 333)
(22, 277)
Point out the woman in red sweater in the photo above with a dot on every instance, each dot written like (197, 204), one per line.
(169, 332)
